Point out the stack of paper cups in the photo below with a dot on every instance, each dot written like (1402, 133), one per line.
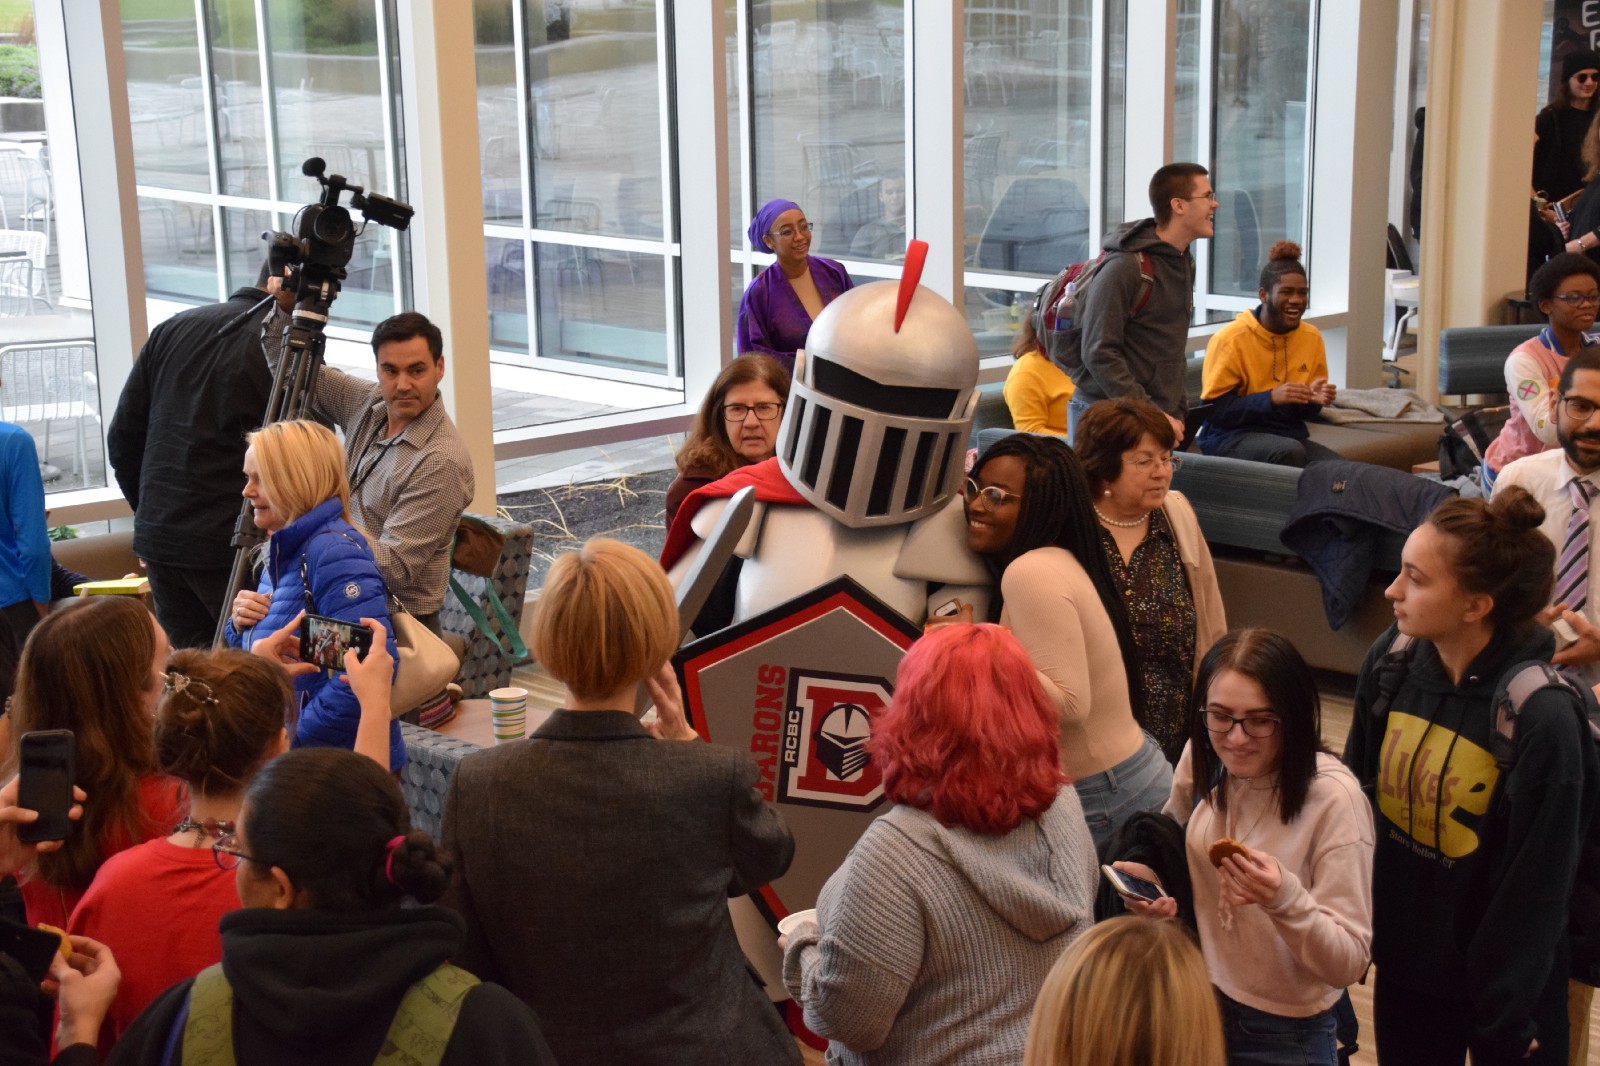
(510, 709)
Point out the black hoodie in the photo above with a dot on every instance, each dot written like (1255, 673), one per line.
(311, 987)
(1472, 873)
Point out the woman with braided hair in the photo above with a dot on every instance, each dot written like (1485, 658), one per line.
(326, 962)
(1031, 516)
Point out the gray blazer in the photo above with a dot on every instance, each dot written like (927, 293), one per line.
(593, 867)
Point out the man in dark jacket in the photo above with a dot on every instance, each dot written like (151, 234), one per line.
(176, 445)
(1140, 353)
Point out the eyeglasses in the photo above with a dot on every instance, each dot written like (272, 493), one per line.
(1586, 78)
(1579, 408)
(226, 854)
(1578, 299)
(736, 412)
(993, 495)
(1212, 196)
(1143, 463)
(787, 233)
(1223, 724)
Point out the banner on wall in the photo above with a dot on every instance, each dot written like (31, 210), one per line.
(1574, 24)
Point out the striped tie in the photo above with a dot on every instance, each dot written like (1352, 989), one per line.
(1572, 568)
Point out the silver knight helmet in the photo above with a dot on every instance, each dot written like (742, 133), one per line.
(881, 406)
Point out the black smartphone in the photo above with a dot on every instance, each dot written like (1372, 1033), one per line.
(1134, 887)
(34, 949)
(323, 641)
(45, 784)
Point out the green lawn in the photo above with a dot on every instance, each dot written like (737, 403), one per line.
(12, 12)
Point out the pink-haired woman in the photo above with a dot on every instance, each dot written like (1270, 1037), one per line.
(933, 938)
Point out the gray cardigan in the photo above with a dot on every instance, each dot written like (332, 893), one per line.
(931, 943)
(593, 868)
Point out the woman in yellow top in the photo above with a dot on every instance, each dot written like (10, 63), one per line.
(1036, 390)
(1266, 373)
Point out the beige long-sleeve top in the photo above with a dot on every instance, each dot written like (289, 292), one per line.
(1055, 612)
(1294, 956)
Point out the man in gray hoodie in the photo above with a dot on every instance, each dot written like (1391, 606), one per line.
(1142, 354)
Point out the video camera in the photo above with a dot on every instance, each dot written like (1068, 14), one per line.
(325, 235)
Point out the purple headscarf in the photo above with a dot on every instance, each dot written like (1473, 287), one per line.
(765, 218)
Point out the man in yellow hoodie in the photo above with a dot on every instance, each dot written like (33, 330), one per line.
(1266, 373)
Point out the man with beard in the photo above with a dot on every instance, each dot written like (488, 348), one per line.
(1566, 482)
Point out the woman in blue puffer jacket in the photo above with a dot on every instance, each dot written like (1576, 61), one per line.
(295, 482)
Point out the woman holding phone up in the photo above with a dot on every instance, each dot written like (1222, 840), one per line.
(1279, 845)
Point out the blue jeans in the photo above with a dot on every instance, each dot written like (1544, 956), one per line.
(1256, 1038)
(1075, 409)
(1141, 782)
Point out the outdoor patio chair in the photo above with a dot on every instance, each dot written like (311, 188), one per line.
(48, 383)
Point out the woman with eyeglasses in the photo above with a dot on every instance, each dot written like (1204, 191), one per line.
(1478, 839)
(223, 715)
(95, 668)
(1157, 554)
(785, 298)
(1036, 390)
(1567, 292)
(1279, 842)
(335, 953)
(1030, 516)
(736, 425)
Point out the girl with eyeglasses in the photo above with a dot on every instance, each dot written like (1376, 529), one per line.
(1477, 847)
(1567, 292)
(1031, 517)
(1158, 555)
(223, 715)
(1284, 908)
(736, 425)
(335, 954)
(784, 299)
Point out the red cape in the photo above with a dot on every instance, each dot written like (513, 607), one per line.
(767, 479)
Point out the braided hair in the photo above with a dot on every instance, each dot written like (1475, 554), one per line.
(1057, 510)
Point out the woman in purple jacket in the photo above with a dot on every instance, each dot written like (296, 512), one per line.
(783, 300)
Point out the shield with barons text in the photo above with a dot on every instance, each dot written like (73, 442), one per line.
(799, 688)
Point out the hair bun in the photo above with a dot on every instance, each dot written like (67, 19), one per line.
(417, 867)
(1513, 506)
(1284, 250)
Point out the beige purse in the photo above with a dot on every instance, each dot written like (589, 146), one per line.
(426, 663)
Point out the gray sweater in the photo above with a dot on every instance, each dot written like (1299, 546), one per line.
(931, 943)
(1140, 356)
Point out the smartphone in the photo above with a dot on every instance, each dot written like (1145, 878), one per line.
(323, 641)
(947, 609)
(45, 784)
(34, 949)
(1133, 887)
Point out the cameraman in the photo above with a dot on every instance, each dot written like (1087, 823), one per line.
(176, 446)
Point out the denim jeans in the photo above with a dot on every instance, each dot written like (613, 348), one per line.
(1141, 782)
(1075, 409)
(1256, 1038)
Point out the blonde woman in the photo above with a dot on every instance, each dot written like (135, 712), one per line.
(316, 561)
(1127, 993)
(594, 860)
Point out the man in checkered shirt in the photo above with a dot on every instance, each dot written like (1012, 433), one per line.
(410, 474)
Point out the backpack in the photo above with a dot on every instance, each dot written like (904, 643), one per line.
(1463, 443)
(1057, 303)
(1517, 686)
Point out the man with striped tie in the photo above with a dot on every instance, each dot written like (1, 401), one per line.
(1566, 482)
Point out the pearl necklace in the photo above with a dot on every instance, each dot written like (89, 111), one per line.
(1132, 523)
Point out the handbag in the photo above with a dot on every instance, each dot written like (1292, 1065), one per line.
(477, 550)
(424, 664)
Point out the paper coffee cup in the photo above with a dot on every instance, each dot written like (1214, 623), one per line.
(787, 925)
(509, 695)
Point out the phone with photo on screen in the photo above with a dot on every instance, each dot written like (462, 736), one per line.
(323, 642)
(44, 784)
(1133, 887)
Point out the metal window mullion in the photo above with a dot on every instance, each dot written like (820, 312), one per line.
(527, 135)
(208, 100)
(1098, 126)
(269, 102)
(1205, 132)
(390, 166)
(909, 156)
(669, 204)
(745, 81)
(1310, 135)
